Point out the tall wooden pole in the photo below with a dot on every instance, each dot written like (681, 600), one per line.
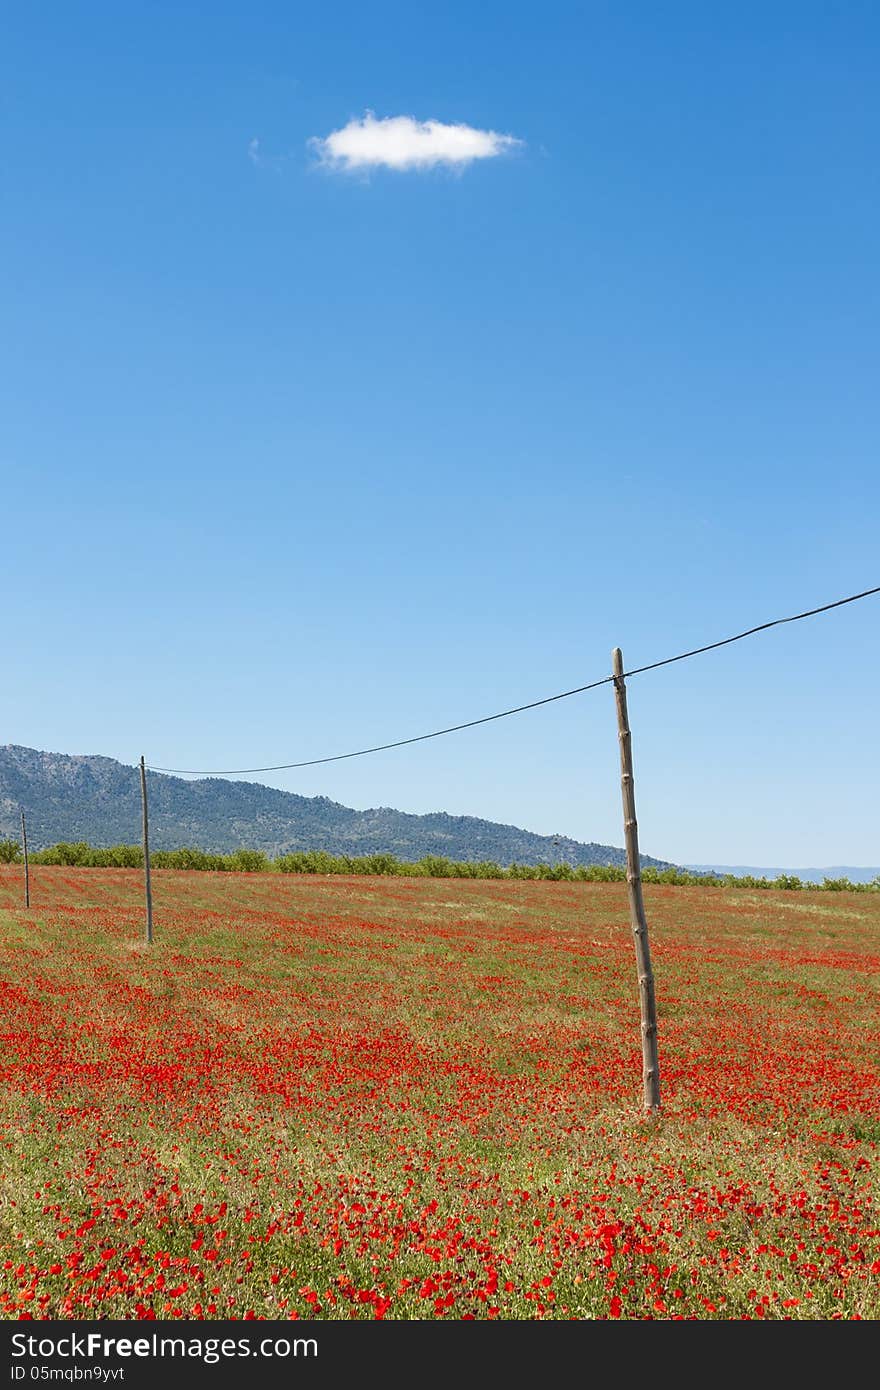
(27, 871)
(647, 1002)
(148, 892)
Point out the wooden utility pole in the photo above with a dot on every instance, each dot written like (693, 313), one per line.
(647, 1002)
(27, 871)
(148, 892)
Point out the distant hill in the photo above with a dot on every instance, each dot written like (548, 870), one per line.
(69, 798)
(807, 875)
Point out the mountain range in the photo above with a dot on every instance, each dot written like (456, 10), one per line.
(97, 799)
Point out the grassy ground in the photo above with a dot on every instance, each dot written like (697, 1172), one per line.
(422, 1098)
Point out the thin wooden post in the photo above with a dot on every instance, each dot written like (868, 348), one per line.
(148, 892)
(647, 1002)
(27, 871)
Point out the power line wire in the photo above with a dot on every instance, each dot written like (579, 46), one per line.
(762, 627)
(518, 709)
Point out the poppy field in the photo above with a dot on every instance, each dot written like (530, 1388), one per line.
(401, 1098)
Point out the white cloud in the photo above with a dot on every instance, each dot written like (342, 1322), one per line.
(401, 142)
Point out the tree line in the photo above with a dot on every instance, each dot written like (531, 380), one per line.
(315, 861)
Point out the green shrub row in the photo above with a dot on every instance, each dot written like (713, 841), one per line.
(314, 861)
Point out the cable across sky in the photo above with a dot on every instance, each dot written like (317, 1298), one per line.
(517, 709)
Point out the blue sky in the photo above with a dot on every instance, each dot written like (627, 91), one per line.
(299, 458)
